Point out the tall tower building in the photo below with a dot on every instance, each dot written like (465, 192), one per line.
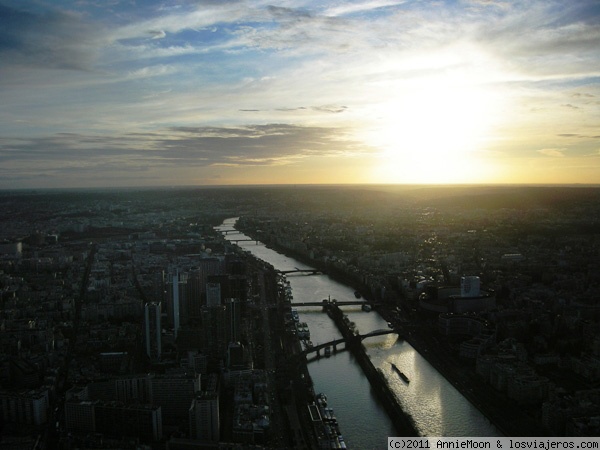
(196, 283)
(233, 307)
(177, 308)
(214, 333)
(196, 286)
(469, 286)
(173, 393)
(213, 294)
(152, 330)
(204, 413)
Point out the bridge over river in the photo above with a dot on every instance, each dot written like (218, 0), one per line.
(334, 343)
(307, 271)
(325, 303)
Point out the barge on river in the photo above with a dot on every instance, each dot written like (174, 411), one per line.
(400, 373)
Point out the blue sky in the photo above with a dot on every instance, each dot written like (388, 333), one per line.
(119, 93)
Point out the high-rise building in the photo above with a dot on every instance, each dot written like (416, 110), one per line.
(27, 407)
(195, 289)
(214, 332)
(204, 413)
(177, 305)
(237, 279)
(152, 330)
(469, 286)
(198, 276)
(213, 294)
(174, 393)
(134, 389)
(234, 316)
(80, 416)
(118, 419)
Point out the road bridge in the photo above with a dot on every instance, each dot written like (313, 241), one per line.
(335, 342)
(230, 231)
(309, 271)
(326, 303)
(235, 241)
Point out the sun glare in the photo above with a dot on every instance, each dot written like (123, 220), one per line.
(434, 134)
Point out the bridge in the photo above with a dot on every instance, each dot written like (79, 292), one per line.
(230, 231)
(310, 271)
(327, 303)
(235, 241)
(334, 343)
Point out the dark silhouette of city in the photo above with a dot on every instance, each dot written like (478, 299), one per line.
(131, 318)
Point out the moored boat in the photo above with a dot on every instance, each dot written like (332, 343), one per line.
(295, 316)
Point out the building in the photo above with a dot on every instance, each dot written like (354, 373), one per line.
(469, 287)
(196, 285)
(152, 330)
(213, 295)
(251, 412)
(80, 416)
(233, 307)
(174, 393)
(176, 300)
(26, 407)
(11, 250)
(134, 389)
(469, 297)
(204, 413)
(118, 419)
(462, 324)
(214, 333)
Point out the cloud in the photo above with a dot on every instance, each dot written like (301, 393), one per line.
(358, 7)
(151, 71)
(55, 39)
(175, 147)
(552, 152)
(578, 136)
(299, 108)
(180, 20)
(157, 34)
(330, 108)
(533, 40)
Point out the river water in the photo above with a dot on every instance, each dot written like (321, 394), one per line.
(436, 407)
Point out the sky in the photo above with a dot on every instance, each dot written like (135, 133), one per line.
(110, 93)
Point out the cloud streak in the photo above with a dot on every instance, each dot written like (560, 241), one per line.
(54, 39)
(177, 147)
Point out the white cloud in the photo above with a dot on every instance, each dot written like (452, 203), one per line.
(157, 34)
(553, 152)
(350, 8)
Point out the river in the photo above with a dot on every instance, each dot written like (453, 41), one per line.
(436, 407)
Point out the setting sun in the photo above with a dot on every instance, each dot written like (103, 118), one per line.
(435, 132)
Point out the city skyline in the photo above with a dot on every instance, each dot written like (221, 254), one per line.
(203, 92)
